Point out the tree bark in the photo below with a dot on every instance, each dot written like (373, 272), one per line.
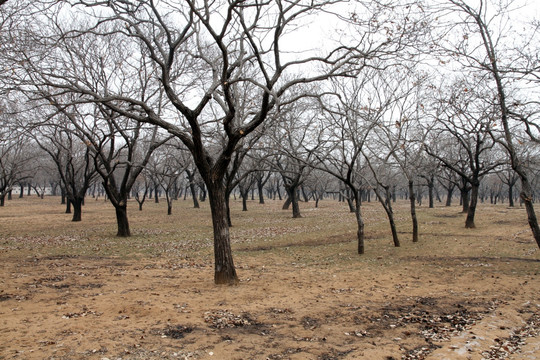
(194, 195)
(412, 199)
(360, 223)
(122, 221)
(77, 209)
(224, 271)
(68, 206)
(469, 222)
(526, 196)
(511, 195)
(431, 185)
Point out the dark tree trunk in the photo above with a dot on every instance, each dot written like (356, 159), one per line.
(360, 224)
(194, 195)
(387, 205)
(228, 207)
(224, 271)
(286, 204)
(465, 200)
(449, 192)
(260, 189)
(9, 195)
(68, 206)
(122, 221)
(431, 185)
(469, 222)
(156, 194)
(527, 197)
(244, 195)
(2, 199)
(413, 211)
(511, 195)
(292, 192)
(77, 208)
(21, 194)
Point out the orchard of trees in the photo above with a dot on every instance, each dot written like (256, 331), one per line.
(289, 99)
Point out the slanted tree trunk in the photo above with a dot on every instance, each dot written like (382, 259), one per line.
(527, 197)
(386, 203)
(412, 199)
(286, 204)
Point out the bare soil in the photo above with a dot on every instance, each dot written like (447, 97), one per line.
(74, 291)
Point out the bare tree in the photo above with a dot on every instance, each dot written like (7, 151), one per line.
(485, 44)
(465, 118)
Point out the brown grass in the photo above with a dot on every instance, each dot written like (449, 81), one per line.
(75, 291)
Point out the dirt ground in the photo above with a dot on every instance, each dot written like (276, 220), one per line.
(76, 292)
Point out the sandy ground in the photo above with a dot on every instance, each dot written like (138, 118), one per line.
(422, 306)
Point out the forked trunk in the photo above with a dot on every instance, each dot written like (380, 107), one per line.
(293, 196)
(224, 271)
(449, 196)
(122, 221)
(412, 199)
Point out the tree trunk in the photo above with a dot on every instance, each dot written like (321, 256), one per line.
(360, 223)
(244, 195)
(21, 194)
(412, 199)
(387, 205)
(465, 200)
(156, 194)
(77, 209)
(260, 186)
(469, 222)
(9, 195)
(449, 193)
(194, 195)
(68, 206)
(527, 197)
(293, 197)
(2, 199)
(224, 271)
(431, 185)
(511, 195)
(122, 221)
(286, 204)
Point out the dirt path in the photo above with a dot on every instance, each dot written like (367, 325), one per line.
(84, 308)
